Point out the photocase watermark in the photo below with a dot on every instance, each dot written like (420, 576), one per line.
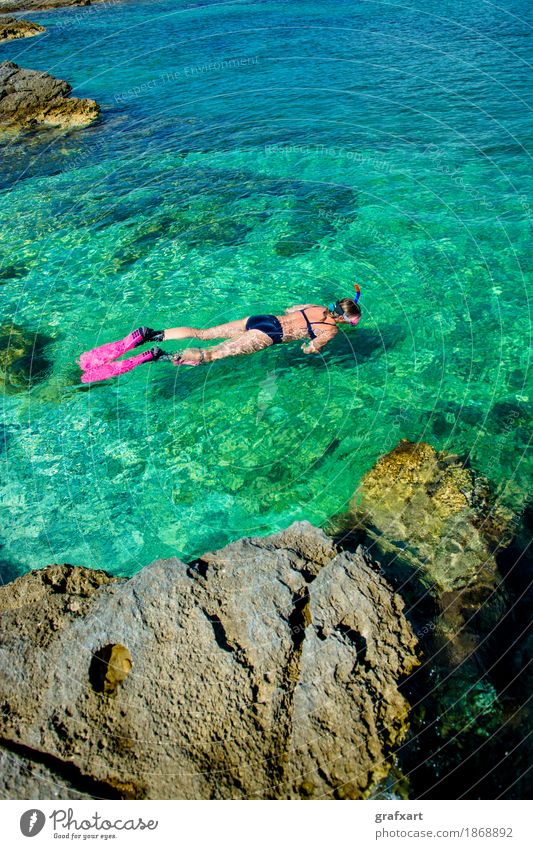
(32, 822)
(65, 825)
(188, 71)
(424, 630)
(392, 434)
(454, 172)
(79, 160)
(138, 90)
(336, 217)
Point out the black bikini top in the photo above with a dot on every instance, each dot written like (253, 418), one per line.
(310, 331)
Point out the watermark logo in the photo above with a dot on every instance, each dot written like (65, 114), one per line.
(32, 822)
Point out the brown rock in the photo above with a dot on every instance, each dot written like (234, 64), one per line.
(33, 98)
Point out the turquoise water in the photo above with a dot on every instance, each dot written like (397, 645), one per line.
(251, 156)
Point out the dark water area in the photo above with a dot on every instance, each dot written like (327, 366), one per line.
(470, 723)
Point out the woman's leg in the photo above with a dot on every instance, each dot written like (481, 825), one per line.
(223, 331)
(247, 343)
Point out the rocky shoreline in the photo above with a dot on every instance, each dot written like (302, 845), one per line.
(280, 667)
(41, 5)
(34, 99)
(11, 28)
(30, 99)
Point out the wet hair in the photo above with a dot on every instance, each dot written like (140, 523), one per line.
(349, 307)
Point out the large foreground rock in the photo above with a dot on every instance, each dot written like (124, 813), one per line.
(29, 99)
(11, 28)
(268, 669)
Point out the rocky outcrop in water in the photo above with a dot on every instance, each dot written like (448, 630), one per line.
(11, 28)
(30, 99)
(446, 544)
(269, 669)
(434, 510)
(435, 523)
(36, 5)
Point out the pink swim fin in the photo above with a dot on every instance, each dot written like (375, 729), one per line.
(114, 369)
(112, 350)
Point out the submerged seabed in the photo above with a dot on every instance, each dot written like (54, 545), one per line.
(250, 156)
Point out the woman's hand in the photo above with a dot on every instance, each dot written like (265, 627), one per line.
(315, 345)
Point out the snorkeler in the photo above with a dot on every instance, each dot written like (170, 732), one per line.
(244, 336)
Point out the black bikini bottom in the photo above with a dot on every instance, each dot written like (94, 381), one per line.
(269, 324)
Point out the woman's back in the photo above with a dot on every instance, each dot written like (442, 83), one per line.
(306, 320)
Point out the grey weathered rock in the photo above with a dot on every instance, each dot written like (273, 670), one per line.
(34, 98)
(268, 669)
(11, 28)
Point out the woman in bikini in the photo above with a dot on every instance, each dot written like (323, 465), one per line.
(244, 336)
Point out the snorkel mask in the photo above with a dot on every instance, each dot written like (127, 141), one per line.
(338, 310)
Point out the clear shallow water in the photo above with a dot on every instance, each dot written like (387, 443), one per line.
(328, 143)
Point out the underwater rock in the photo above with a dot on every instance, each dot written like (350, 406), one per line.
(11, 28)
(22, 358)
(29, 99)
(199, 226)
(442, 541)
(12, 272)
(268, 669)
(315, 213)
(433, 520)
